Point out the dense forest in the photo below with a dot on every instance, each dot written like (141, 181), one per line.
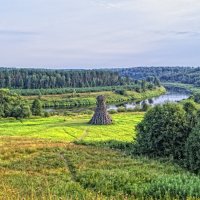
(44, 78)
(188, 75)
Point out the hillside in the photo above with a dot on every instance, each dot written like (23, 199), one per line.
(38, 160)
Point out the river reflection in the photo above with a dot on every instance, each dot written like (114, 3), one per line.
(168, 97)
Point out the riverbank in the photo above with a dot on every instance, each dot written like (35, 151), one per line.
(188, 87)
(89, 98)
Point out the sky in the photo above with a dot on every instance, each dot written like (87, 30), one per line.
(99, 33)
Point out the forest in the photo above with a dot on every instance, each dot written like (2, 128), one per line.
(42, 78)
(187, 75)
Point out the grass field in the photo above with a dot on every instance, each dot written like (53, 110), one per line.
(72, 128)
(39, 160)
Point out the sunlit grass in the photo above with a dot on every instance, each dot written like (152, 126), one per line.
(40, 169)
(43, 158)
(71, 128)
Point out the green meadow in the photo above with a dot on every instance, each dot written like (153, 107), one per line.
(66, 158)
(72, 128)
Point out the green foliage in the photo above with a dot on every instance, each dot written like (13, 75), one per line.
(47, 114)
(145, 106)
(192, 148)
(121, 92)
(36, 107)
(121, 109)
(177, 187)
(191, 114)
(197, 97)
(112, 111)
(22, 111)
(163, 132)
(12, 105)
(44, 78)
(186, 75)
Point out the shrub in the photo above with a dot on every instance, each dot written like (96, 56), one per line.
(163, 131)
(197, 97)
(121, 92)
(112, 111)
(22, 111)
(36, 107)
(130, 109)
(191, 111)
(137, 108)
(145, 106)
(46, 114)
(121, 109)
(192, 150)
(88, 112)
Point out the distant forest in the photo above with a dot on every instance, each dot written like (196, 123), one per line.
(46, 78)
(188, 75)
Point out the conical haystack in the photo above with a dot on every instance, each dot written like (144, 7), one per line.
(101, 116)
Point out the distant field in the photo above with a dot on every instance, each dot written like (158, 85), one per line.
(73, 128)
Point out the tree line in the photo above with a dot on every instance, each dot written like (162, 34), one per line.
(46, 78)
(187, 75)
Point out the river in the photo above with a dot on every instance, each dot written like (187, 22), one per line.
(170, 96)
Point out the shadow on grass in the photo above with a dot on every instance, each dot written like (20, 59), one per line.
(126, 147)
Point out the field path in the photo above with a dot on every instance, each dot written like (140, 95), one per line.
(84, 135)
(69, 165)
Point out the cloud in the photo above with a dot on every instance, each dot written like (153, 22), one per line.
(98, 32)
(10, 32)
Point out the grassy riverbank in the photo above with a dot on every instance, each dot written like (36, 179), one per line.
(188, 87)
(89, 98)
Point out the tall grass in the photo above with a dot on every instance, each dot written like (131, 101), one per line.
(39, 169)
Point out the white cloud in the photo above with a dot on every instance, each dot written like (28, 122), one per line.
(108, 32)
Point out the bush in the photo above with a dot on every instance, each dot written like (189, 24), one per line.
(121, 109)
(36, 107)
(87, 112)
(163, 132)
(121, 92)
(145, 106)
(22, 111)
(192, 150)
(47, 114)
(137, 108)
(197, 97)
(130, 109)
(191, 111)
(112, 111)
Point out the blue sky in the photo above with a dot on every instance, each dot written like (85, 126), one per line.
(99, 33)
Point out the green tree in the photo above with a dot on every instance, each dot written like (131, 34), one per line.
(192, 150)
(12, 105)
(163, 131)
(191, 114)
(36, 107)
